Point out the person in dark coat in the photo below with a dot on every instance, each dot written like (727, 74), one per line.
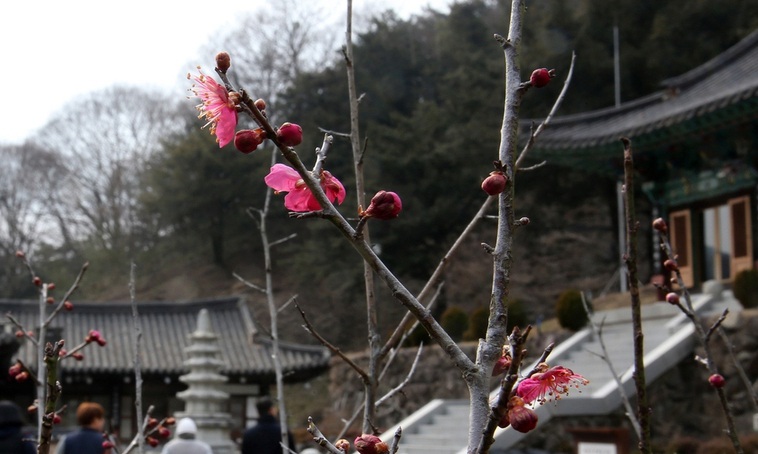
(266, 436)
(89, 438)
(12, 441)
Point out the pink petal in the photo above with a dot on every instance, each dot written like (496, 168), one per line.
(225, 128)
(298, 200)
(282, 178)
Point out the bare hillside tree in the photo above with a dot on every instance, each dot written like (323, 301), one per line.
(104, 140)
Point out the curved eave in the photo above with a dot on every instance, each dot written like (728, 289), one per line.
(558, 148)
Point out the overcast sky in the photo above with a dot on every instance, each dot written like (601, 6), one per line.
(52, 51)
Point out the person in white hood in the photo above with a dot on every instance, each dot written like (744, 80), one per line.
(184, 440)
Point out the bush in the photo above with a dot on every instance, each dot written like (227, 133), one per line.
(570, 311)
(455, 321)
(745, 287)
(477, 326)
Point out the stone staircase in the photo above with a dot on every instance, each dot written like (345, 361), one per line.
(441, 427)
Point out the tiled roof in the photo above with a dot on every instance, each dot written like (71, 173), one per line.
(727, 80)
(165, 330)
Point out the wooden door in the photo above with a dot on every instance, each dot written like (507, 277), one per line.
(680, 232)
(741, 232)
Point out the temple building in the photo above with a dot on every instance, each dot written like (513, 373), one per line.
(106, 373)
(695, 144)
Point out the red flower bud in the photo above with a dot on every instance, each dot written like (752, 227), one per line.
(163, 432)
(260, 104)
(19, 334)
(62, 352)
(51, 286)
(540, 77)
(101, 342)
(501, 365)
(15, 369)
(152, 422)
(107, 444)
(522, 419)
(660, 225)
(56, 418)
(223, 61)
(31, 408)
(343, 445)
(670, 265)
(290, 134)
(152, 441)
(672, 298)
(370, 444)
(68, 305)
(384, 205)
(717, 380)
(22, 376)
(170, 421)
(77, 356)
(247, 140)
(50, 300)
(30, 334)
(495, 183)
(37, 281)
(20, 254)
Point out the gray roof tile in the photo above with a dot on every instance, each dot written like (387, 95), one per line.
(165, 330)
(727, 79)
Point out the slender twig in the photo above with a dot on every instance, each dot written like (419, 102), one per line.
(320, 439)
(402, 384)
(68, 293)
(248, 283)
(740, 370)
(708, 362)
(308, 327)
(643, 408)
(546, 121)
(137, 353)
(396, 440)
(597, 331)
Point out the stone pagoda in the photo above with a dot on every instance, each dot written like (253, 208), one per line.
(204, 400)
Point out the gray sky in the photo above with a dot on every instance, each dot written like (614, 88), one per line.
(52, 51)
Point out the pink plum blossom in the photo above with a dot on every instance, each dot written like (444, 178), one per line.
(551, 383)
(218, 106)
(299, 198)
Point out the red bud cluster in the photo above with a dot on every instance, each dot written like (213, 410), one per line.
(289, 134)
(672, 298)
(247, 140)
(95, 336)
(541, 77)
(370, 444)
(522, 418)
(15, 369)
(152, 441)
(660, 225)
(37, 281)
(68, 305)
(343, 445)
(107, 444)
(223, 61)
(495, 183)
(717, 380)
(77, 356)
(384, 205)
(670, 265)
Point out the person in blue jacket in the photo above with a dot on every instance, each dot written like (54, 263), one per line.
(89, 438)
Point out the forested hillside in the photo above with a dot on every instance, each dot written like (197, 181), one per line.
(128, 175)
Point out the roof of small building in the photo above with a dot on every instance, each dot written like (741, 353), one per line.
(717, 92)
(165, 328)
